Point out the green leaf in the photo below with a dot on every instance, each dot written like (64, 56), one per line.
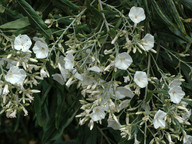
(149, 96)
(176, 15)
(186, 3)
(2, 9)
(17, 24)
(70, 4)
(34, 18)
(169, 23)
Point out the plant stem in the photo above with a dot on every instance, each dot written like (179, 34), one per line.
(146, 103)
(105, 20)
(104, 135)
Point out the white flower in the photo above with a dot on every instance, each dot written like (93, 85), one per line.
(6, 89)
(113, 124)
(174, 83)
(69, 61)
(10, 63)
(158, 119)
(126, 79)
(59, 78)
(22, 42)
(87, 80)
(64, 72)
(15, 76)
(123, 92)
(25, 112)
(43, 73)
(148, 42)
(187, 139)
(187, 115)
(95, 69)
(40, 49)
(176, 94)
(69, 82)
(77, 75)
(136, 141)
(11, 114)
(137, 14)
(123, 104)
(38, 39)
(2, 61)
(98, 113)
(140, 78)
(123, 61)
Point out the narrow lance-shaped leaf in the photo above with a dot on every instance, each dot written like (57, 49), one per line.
(34, 17)
(176, 16)
(170, 24)
(69, 4)
(186, 3)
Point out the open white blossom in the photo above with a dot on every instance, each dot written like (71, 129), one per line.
(123, 61)
(123, 104)
(87, 80)
(77, 75)
(148, 42)
(123, 92)
(113, 124)
(158, 120)
(59, 78)
(22, 42)
(41, 49)
(137, 14)
(174, 83)
(187, 115)
(64, 73)
(15, 76)
(98, 113)
(176, 94)
(69, 61)
(95, 69)
(187, 139)
(140, 78)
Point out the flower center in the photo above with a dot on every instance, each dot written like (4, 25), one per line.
(122, 59)
(10, 75)
(22, 44)
(43, 49)
(96, 110)
(173, 92)
(136, 17)
(139, 79)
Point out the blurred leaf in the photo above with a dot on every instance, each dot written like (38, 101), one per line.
(2, 9)
(17, 24)
(186, 3)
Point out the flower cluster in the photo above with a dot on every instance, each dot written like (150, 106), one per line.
(98, 70)
(116, 74)
(20, 71)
